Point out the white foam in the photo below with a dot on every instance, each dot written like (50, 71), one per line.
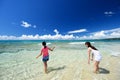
(115, 54)
(78, 43)
(47, 43)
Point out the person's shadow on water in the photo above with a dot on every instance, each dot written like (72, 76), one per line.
(50, 69)
(103, 71)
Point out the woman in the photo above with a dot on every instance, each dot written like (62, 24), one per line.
(96, 54)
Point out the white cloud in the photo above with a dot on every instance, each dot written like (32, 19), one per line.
(5, 37)
(57, 36)
(117, 34)
(43, 37)
(113, 33)
(38, 37)
(77, 31)
(56, 31)
(113, 30)
(109, 13)
(25, 24)
(99, 34)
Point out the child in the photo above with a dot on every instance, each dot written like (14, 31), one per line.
(45, 54)
(96, 54)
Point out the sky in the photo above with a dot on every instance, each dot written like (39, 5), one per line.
(59, 19)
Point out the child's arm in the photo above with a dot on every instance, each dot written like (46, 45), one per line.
(51, 49)
(39, 55)
(89, 56)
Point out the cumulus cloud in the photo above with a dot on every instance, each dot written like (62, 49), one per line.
(108, 33)
(56, 31)
(99, 34)
(77, 31)
(48, 37)
(112, 33)
(57, 36)
(38, 37)
(27, 25)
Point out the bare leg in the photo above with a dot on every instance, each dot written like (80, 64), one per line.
(96, 65)
(45, 66)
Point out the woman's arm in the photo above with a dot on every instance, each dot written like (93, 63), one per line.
(51, 49)
(89, 56)
(39, 55)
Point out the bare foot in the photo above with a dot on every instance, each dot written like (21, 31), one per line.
(95, 72)
(46, 72)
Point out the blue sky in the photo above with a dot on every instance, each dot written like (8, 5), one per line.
(59, 19)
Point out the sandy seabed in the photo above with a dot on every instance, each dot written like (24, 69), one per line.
(80, 70)
(67, 62)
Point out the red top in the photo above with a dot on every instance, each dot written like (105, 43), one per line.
(45, 51)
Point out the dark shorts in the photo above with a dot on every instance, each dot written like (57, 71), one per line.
(45, 59)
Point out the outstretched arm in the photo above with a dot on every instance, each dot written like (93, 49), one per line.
(51, 49)
(39, 55)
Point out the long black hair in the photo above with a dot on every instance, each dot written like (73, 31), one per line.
(89, 45)
(44, 44)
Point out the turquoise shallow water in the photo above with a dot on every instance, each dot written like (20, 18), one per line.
(15, 46)
(17, 58)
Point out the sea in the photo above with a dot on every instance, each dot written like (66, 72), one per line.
(18, 57)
